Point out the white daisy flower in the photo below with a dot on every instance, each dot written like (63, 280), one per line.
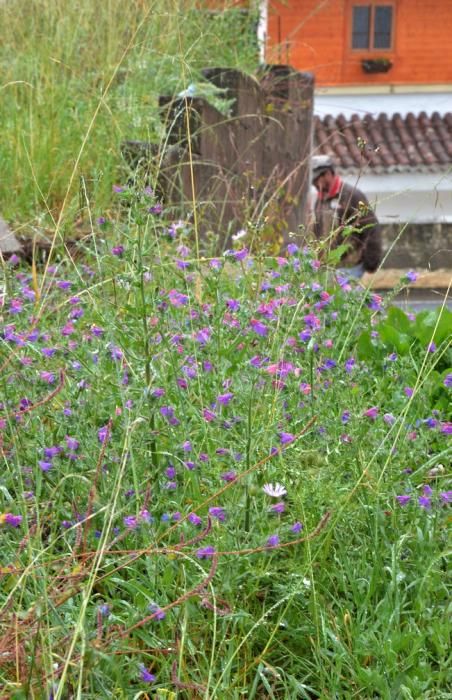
(274, 490)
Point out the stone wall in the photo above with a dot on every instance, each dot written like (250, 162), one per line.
(426, 246)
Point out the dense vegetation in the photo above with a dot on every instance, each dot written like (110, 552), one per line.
(223, 477)
(78, 78)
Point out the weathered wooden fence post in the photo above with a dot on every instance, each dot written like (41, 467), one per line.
(249, 166)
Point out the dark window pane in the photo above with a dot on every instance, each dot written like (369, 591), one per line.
(382, 27)
(360, 27)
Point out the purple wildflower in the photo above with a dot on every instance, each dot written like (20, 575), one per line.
(349, 364)
(233, 304)
(446, 496)
(411, 276)
(296, 527)
(194, 519)
(103, 434)
(259, 327)
(117, 250)
(286, 438)
(51, 452)
(64, 284)
(448, 381)
(371, 413)
(229, 476)
(425, 502)
(208, 415)
(158, 613)
(305, 335)
(279, 507)
(45, 466)
(272, 541)
(47, 377)
(72, 443)
(145, 675)
(130, 521)
(292, 248)
(375, 302)
(205, 552)
(11, 519)
(224, 399)
(239, 254)
(403, 499)
(218, 512)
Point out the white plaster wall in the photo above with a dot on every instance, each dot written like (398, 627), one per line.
(416, 197)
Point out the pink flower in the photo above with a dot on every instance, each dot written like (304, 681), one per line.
(208, 415)
(371, 413)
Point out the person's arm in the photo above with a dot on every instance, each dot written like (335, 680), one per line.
(368, 231)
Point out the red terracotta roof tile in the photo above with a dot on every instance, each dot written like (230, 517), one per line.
(388, 143)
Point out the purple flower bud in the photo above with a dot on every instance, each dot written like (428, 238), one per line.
(145, 675)
(448, 381)
(286, 438)
(11, 519)
(194, 519)
(72, 443)
(130, 521)
(45, 466)
(371, 413)
(103, 434)
(224, 399)
(218, 512)
(272, 541)
(229, 476)
(278, 507)
(159, 614)
(403, 499)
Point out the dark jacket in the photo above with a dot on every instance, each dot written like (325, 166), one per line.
(348, 218)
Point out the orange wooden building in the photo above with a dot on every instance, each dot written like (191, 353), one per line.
(336, 39)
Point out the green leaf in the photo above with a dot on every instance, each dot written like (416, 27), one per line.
(433, 326)
(366, 348)
(393, 339)
(399, 320)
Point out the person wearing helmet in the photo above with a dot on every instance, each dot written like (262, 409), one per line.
(343, 216)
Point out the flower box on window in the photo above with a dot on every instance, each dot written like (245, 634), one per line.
(376, 65)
